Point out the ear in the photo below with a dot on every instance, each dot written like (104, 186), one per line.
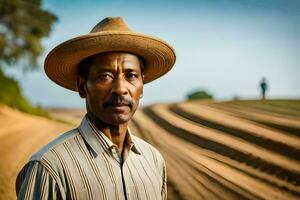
(81, 86)
(142, 93)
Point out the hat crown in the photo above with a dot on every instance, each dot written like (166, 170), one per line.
(111, 24)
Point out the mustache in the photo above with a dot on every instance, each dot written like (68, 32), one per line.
(118, 100)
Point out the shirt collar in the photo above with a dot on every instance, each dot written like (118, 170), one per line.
(99, 142)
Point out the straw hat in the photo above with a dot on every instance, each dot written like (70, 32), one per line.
(111, 34)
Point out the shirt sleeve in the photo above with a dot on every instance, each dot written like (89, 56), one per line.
(164, 186)
(35, 182)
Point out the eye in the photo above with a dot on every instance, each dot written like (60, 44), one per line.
(131, 75)
(105, 76)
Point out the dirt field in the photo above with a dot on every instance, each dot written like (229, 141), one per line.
(226, 150)
(20, 136)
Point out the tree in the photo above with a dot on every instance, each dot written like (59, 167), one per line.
(199, 94)
(22, 26)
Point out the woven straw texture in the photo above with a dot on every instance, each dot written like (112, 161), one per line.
(111, 34)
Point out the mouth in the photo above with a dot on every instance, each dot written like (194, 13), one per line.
(119, 103)
(119, 108)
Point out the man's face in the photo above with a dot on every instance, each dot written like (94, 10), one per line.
(113, 87)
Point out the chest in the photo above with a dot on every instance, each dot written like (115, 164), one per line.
(104, 177)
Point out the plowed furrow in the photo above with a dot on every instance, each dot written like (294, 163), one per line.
(290, 130)
(288, 110)
(291, 126)
(220, 117)
(243, 157)
(230, 178)
(210, 185)
(176, 173)
(261, 118)
(272, 145)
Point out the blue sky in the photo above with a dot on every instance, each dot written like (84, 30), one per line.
(224, 47)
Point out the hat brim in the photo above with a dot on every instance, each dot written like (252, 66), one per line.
(61, 63)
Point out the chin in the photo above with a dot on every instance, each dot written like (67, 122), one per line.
(119, 119)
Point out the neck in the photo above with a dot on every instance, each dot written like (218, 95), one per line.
(116, 133)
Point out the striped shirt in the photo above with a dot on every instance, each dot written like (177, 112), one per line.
(84, 164)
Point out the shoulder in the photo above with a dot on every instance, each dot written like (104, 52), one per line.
(47, 159)
(55, 144)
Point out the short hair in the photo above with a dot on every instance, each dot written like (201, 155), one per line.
(83, 67)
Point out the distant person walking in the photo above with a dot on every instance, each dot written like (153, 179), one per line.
(263, 87)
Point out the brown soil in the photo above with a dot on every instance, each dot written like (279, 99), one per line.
(20, 136)
(212, 151)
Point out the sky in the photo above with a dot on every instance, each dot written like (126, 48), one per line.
(222, 46)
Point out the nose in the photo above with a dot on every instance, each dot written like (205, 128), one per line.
(119, 86)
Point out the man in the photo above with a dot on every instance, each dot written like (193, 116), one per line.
(264, 87)
(101, 159)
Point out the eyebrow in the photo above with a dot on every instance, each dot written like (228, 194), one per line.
(111, 69)
(131, 70)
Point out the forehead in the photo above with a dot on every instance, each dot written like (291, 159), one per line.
(113, 59)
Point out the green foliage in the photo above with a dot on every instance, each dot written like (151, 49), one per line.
(10, 94)
(199, 94)
(23, 23)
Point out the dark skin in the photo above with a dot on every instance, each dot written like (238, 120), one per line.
(112, 90)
